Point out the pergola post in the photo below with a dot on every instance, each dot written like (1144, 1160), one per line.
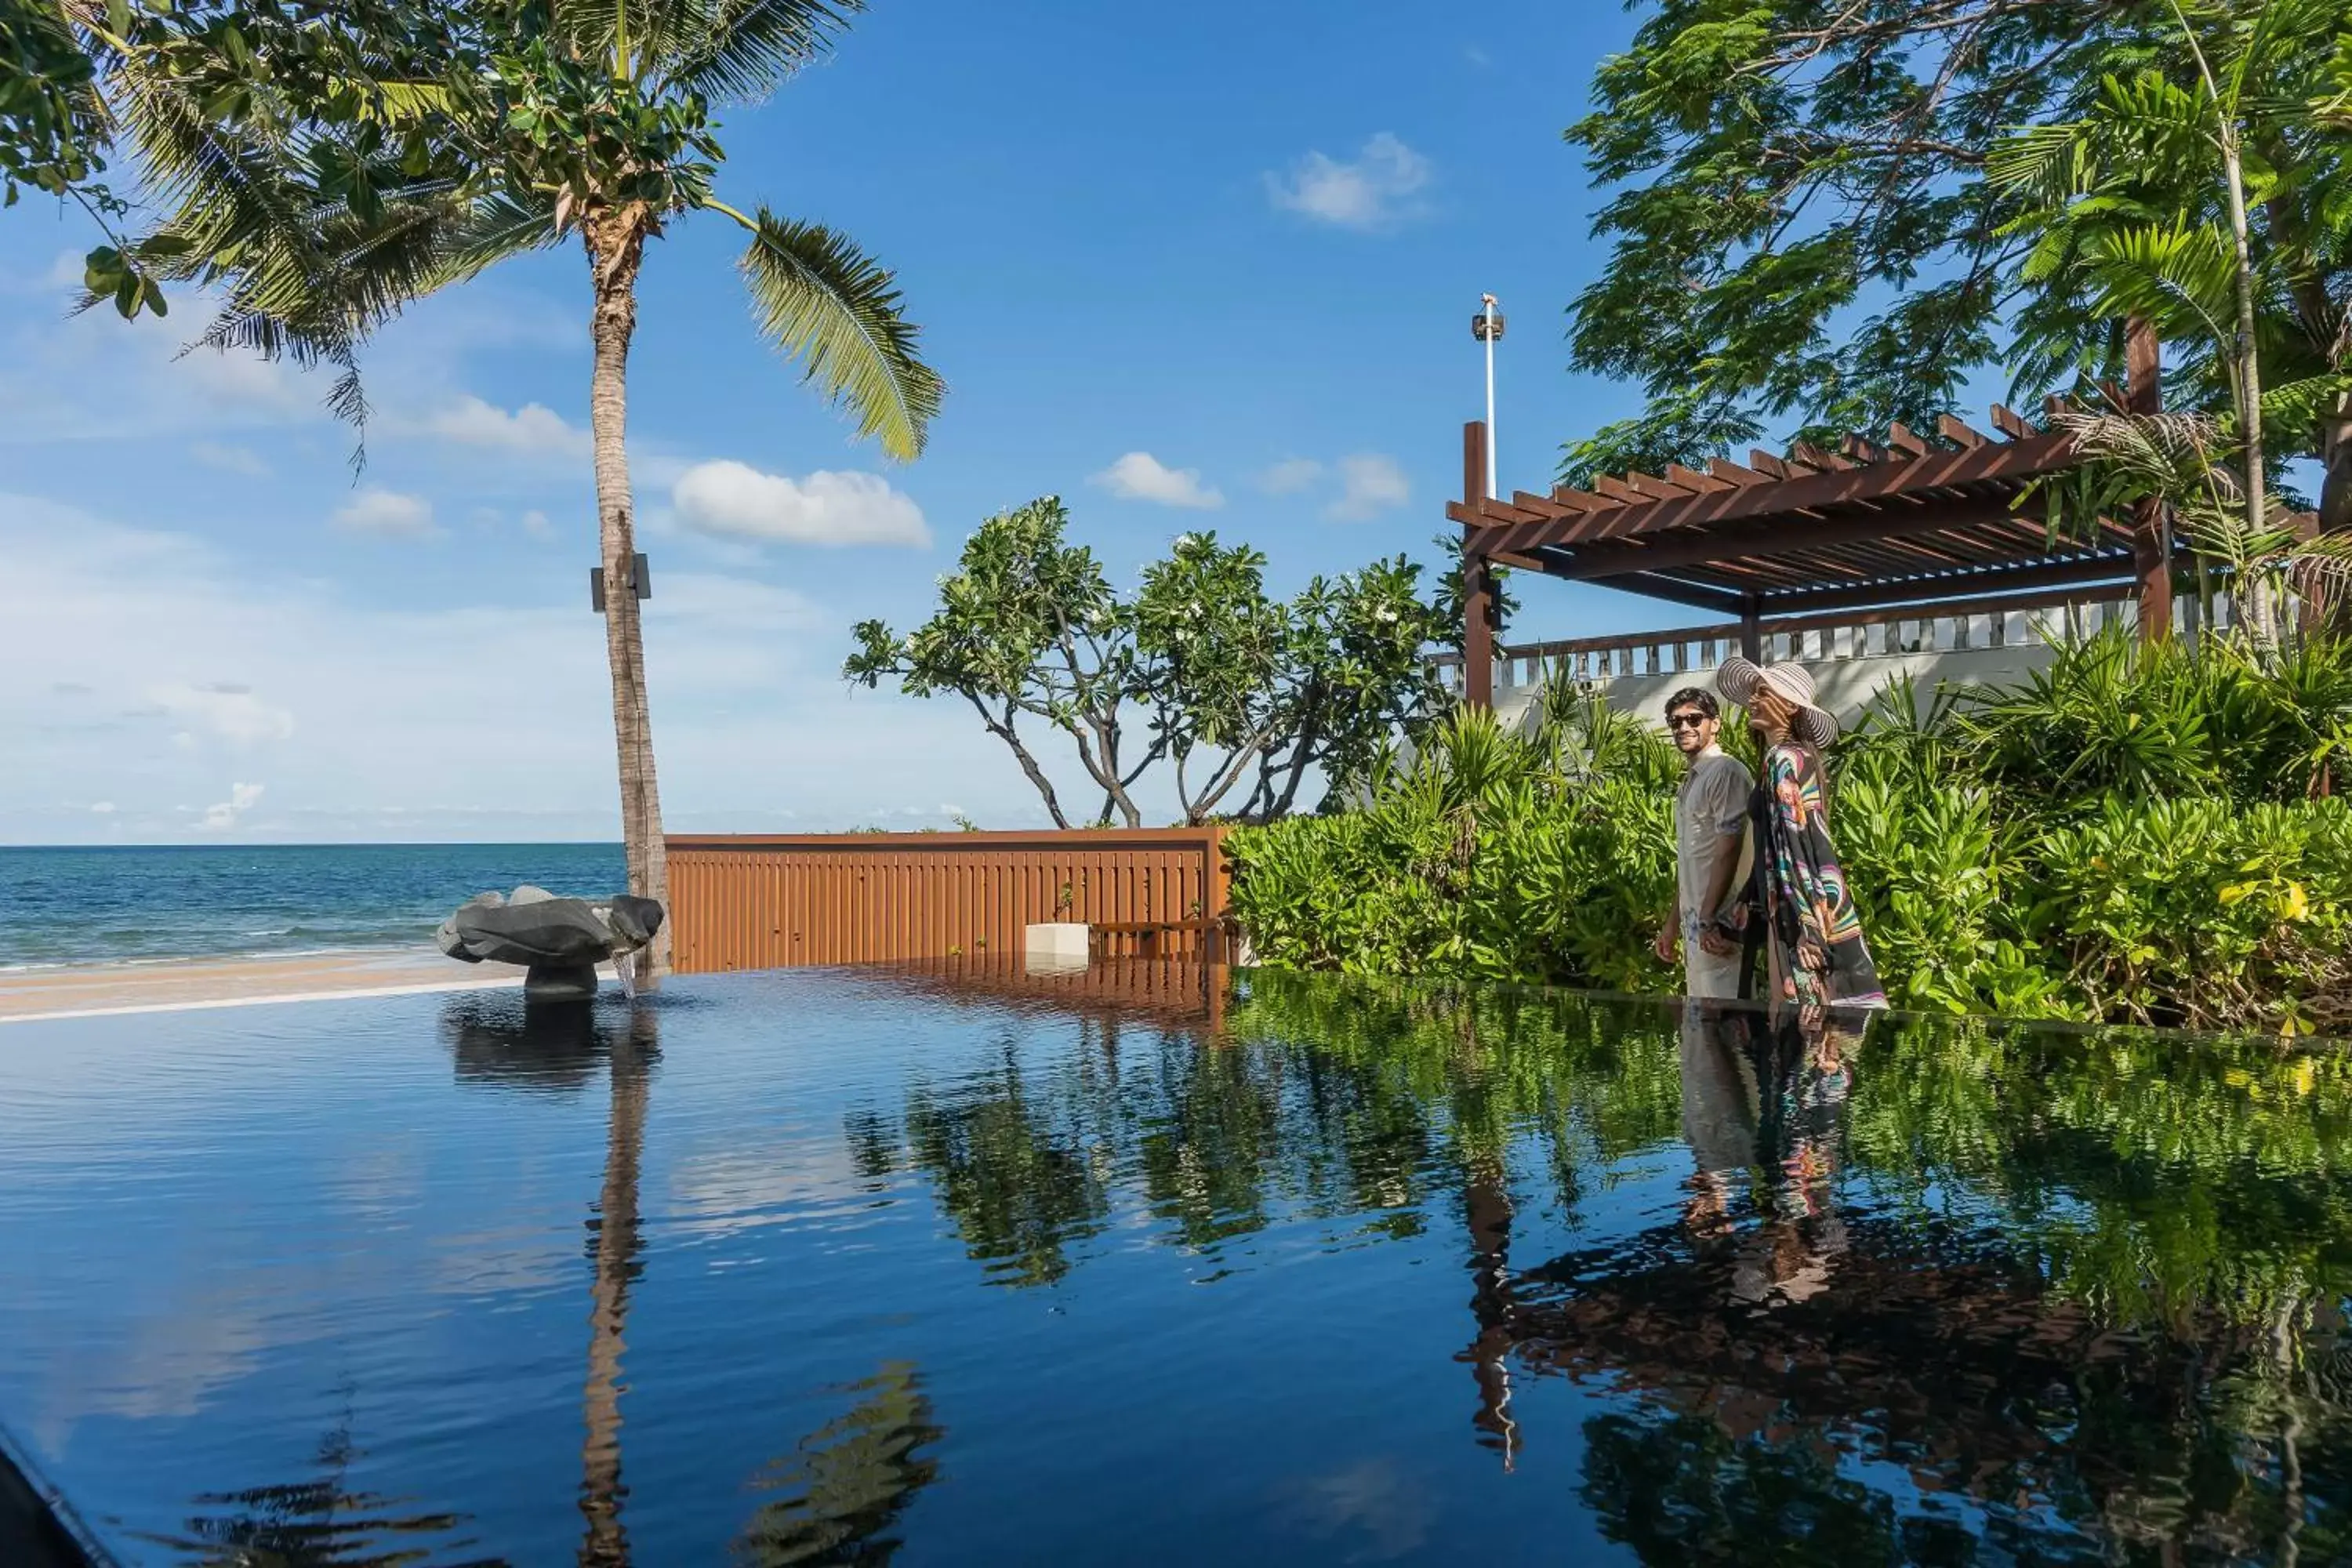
(2151, 540)
(1751, 630)
(1478, 587)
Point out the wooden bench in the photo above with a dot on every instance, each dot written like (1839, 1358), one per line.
(1197, 938)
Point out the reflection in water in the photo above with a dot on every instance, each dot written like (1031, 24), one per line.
(316, 1522)
(1944, 1293)
(497, 1039)
(506, 1040)
(614, 1245)
(1018, 1175)
(849, 1481)
(1943, 1290)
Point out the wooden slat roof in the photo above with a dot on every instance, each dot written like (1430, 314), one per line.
(1909, 519)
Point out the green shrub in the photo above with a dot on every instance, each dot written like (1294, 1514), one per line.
(1491, 856)
(2132, 835)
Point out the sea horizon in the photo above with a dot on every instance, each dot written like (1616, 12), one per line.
(78, 905)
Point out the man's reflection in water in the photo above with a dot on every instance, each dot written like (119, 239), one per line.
(1763, 1094)
(1719, 1114)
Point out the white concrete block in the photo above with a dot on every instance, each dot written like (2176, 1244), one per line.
(1055, 938)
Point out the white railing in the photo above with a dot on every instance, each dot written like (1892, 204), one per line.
(1862, 634)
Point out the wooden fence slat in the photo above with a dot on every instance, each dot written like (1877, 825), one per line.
(753, 901)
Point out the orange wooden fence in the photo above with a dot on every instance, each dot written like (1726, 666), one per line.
(745, 902)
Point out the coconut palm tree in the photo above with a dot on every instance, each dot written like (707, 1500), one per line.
(326, 165)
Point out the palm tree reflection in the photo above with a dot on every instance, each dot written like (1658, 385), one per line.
(317, 1522)
(509, 1042)
(849, 1481)
(614, 1245)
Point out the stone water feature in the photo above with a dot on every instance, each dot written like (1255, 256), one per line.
(559, 941)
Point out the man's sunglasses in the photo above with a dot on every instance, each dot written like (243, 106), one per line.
(1684, 720)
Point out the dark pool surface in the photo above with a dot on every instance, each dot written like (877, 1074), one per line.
(867, 1266)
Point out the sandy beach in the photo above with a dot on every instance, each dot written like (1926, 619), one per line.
(35, 993)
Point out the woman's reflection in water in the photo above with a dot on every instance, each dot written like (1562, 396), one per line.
(1764, 1094)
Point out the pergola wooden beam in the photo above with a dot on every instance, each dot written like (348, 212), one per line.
(1698, 595)
(2009, 460)
(1777, 536)
(1925, 592)
(1908, 520)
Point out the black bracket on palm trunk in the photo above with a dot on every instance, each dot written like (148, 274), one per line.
(639, 578)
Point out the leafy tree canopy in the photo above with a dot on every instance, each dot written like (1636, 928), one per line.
(322, 164)
(1244, 696)
(1808, 229)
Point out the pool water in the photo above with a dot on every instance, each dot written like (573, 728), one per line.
(956, 1266)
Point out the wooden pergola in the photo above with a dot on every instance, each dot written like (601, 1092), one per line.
(1946, 520)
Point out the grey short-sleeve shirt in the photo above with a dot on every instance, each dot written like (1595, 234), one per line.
(1710, 811)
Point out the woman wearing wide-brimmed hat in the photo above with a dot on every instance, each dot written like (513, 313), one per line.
(1818, 957)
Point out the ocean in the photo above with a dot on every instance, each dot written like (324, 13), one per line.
(108, 905)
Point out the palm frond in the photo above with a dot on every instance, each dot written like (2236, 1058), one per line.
(2181, 275)
(739, 50)
(2044, 163)
(398, 104)
(2333, 102)
(824, 301)
(2301, 407)
(725, 49)
(2320, 571)
(493, 228)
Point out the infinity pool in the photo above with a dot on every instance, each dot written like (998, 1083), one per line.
(941, 1266)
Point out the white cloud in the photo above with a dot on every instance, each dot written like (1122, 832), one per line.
(90, 377)
(1382, 188)
(239, 379)
(406, 728)
(1139, 476)
(233, 459)
(737, 500)
(533, 429)
(1290, 475)
(228, 711)
(535, 524)
(1369, 483)
(222, 815)
(387, 514)
(103, 807)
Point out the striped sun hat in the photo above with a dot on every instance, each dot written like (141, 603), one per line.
(1739, 679)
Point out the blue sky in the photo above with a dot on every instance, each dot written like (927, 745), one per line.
(1204, 269)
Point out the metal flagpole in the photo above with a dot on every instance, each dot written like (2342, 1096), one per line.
(1488, 326)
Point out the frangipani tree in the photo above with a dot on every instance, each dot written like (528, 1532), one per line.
(1245, 695)
(324, 172)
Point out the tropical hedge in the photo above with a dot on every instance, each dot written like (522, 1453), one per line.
(2155, 836)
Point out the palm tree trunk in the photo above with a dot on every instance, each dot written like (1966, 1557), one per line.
(2249, 370)
(2336, 452)
(615, 243)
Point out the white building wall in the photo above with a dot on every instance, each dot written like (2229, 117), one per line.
(1851, 665)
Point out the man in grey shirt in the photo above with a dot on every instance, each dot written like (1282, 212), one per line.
(1710, 831)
